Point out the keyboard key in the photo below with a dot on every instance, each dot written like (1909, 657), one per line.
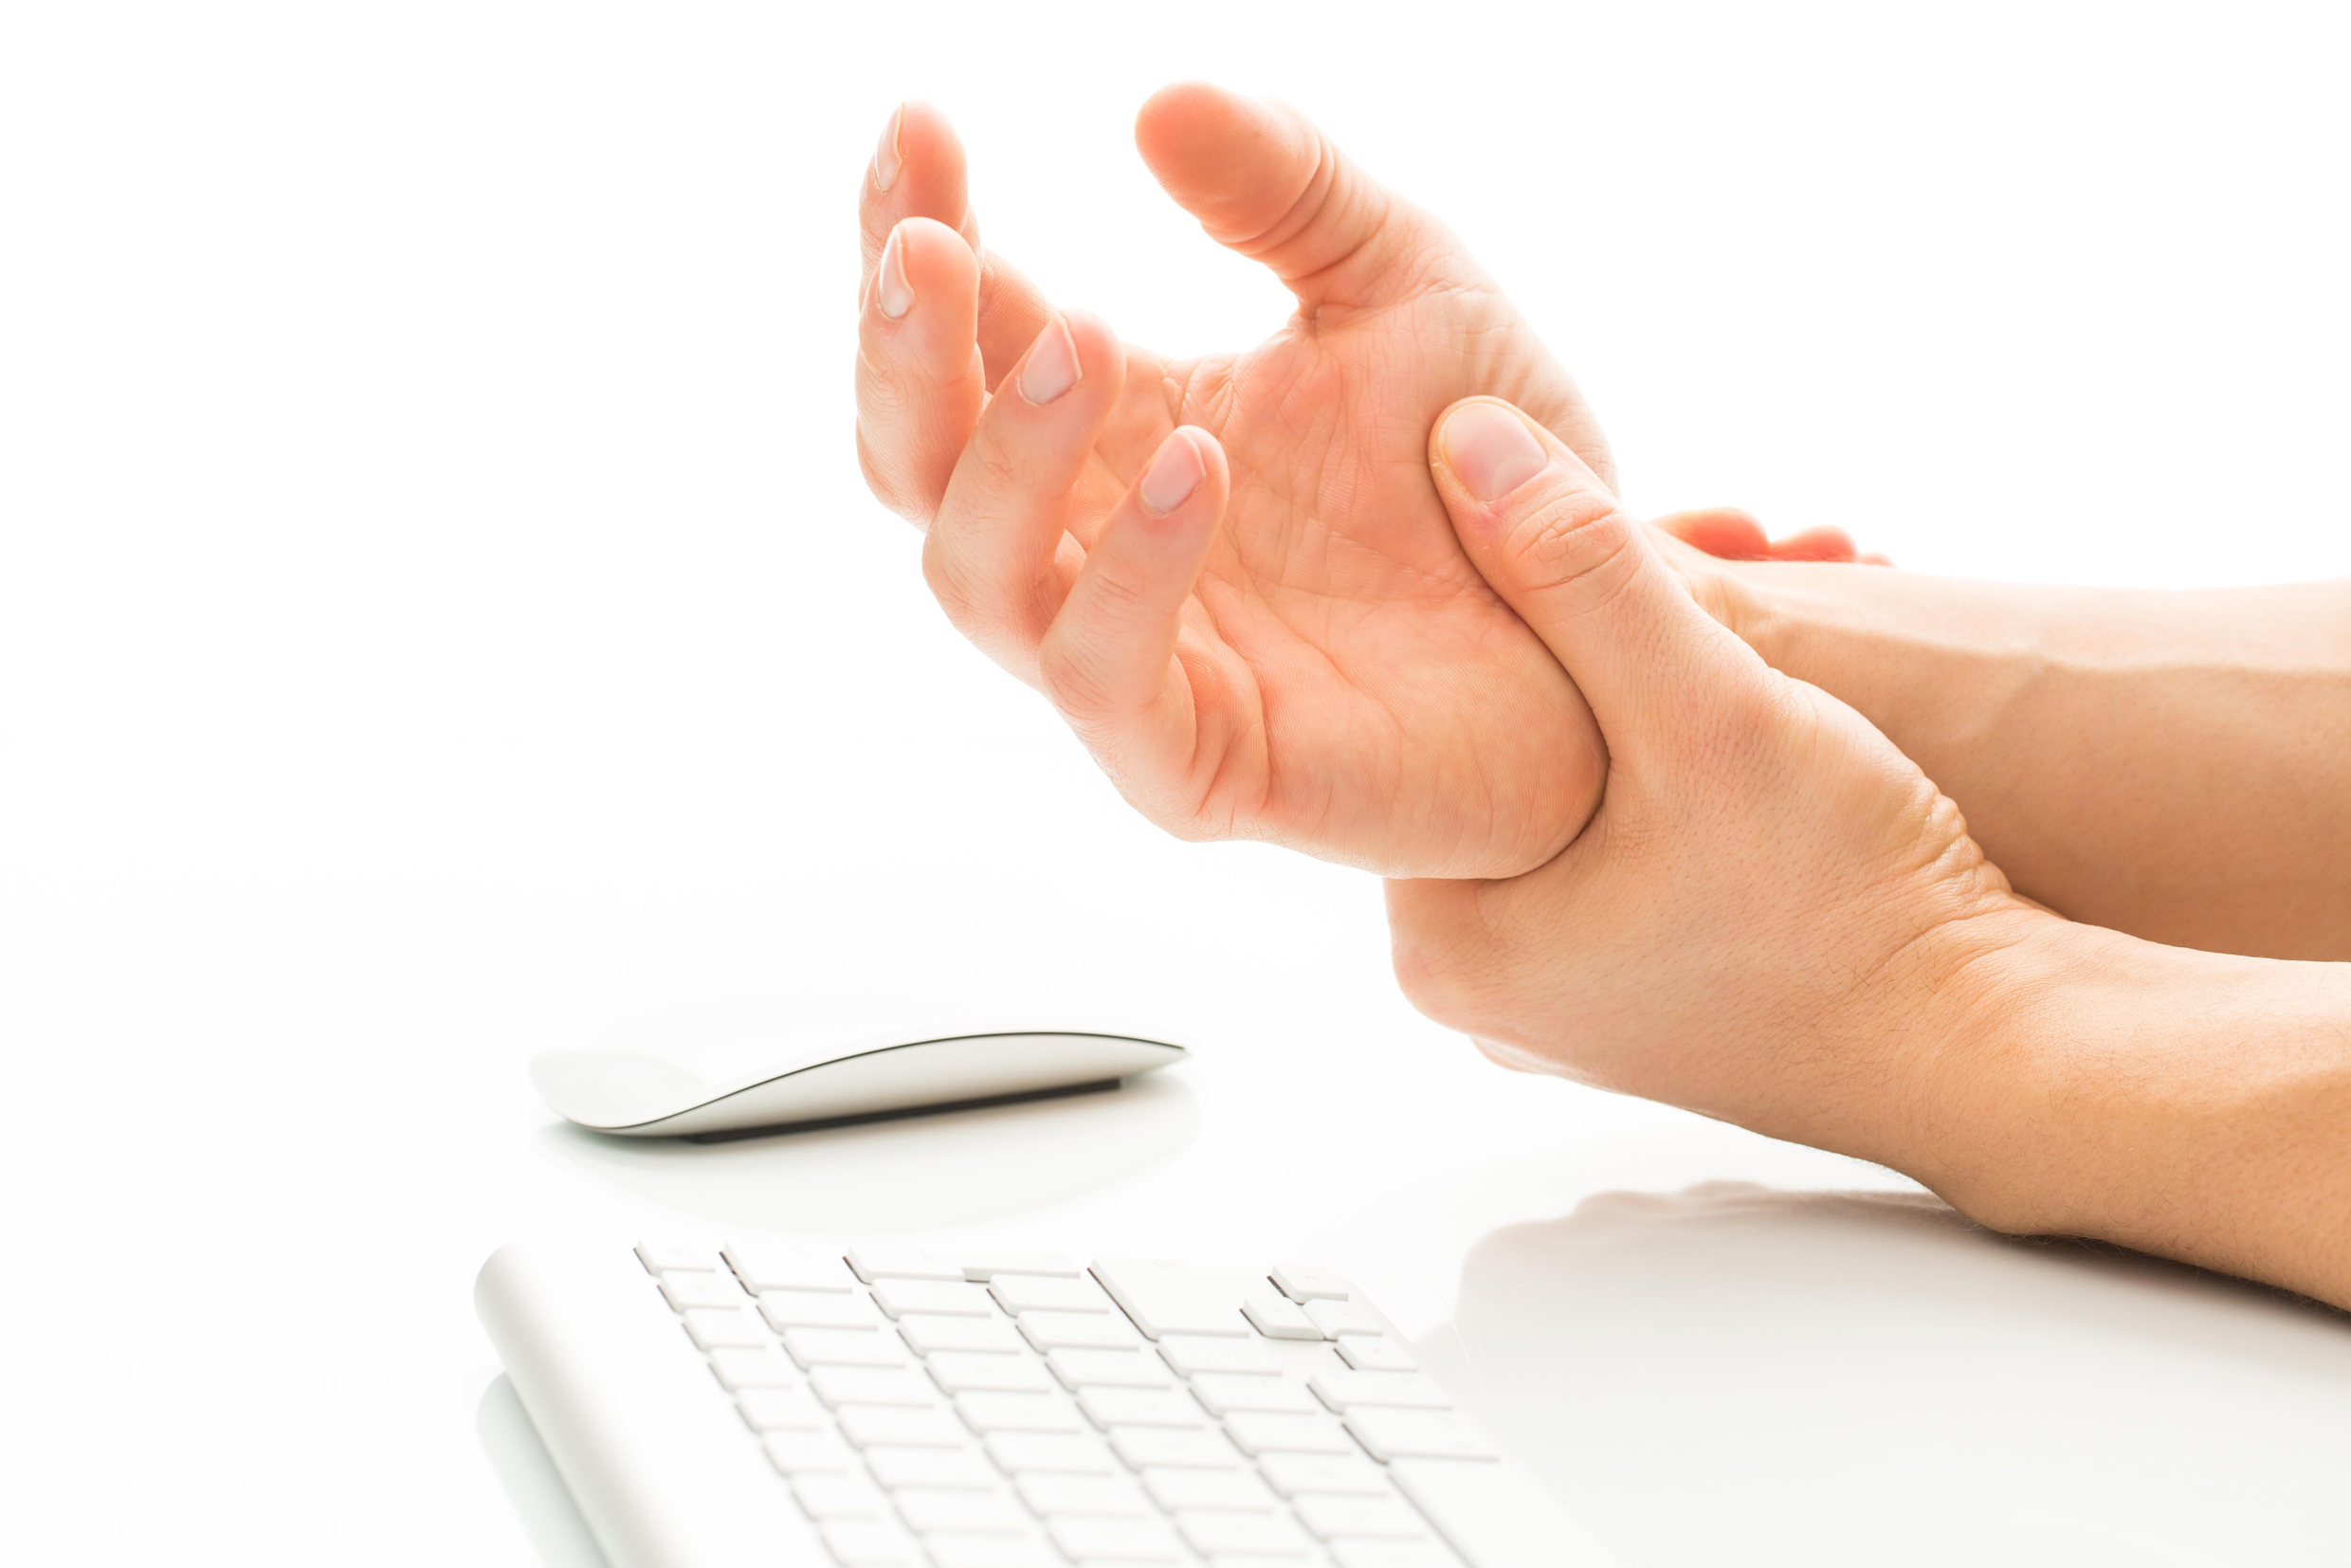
(768, 1268)
(1112, 1496)
(1483, 1513)
(771, 1409)
(1343, 1391)
(927, 1334)
(994, 1263)
(1260, 1533)
(962, 1371)
(684, 1288)
(1228, 1489)
(1205, 1450)
(960, 1467)
(1140, 1407)
(885, 1261)
(956, 1300)
(1392, 1554)
(1293, 1474)
(871, 1386)
(1018, 1293)
(1278, 1318)
(1251, 1560)
(1368, 1353)
(824, 1496)
(1263, 1431)
(1302, 1282)
(1189, 1355)
(1336, 1317)
(845, 1347)
(1110, 1369)
(815, 1309)
(929, 1509)
(660, 1257)
(1123, 1539)
(808, 1453)
(985, 1413)
(1416, 1434)
(896, 1424)
(960, 1551)
(1224, 1392)
(1174, 1297)
(710, 1328)
(764, 1367)
(1077, 1330)
(869, 1543)
(1389, 1517)
(1017, 1453)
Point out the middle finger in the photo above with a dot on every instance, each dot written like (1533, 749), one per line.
(999, 556)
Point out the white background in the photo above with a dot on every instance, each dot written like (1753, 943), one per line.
(436, 590)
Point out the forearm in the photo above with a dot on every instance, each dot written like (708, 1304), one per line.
(2188, 1105)
(2175, 765)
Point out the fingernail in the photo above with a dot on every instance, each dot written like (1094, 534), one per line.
(1051, 368)
(1173, 474)
(890, 286)
(1490, 449)
(886, 161)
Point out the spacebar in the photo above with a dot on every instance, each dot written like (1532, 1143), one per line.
(1495, 1517)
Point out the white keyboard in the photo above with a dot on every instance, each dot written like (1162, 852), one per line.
(892, 1408)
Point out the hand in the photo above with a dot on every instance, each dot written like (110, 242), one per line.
(1728, 534)
(1773, 918)
(1232, 575)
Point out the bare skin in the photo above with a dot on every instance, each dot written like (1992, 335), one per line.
(1272, 610)
(1775, 917)
(2173, 765)
(1339, 679)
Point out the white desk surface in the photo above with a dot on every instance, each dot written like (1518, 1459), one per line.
(239, 1308)
(437, 592)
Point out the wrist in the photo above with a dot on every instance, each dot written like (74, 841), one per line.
(1997, 1094)
(2190, 1104)
(1935, 664)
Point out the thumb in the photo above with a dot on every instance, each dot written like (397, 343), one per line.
(1561, 551)
(1263, 180)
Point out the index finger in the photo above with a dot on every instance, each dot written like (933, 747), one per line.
(918, 171)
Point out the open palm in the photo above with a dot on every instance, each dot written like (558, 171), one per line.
(1233, 574)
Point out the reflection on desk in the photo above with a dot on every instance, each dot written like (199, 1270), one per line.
(532, 1483)
(1817, 1374)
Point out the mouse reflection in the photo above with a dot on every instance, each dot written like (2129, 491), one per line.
(926, 1172)
(1733, 1374)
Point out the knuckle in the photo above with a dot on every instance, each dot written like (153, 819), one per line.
(949, 578)
(995, 469)
(1072, 677)
(884, 393)
(1577, 535)
(1119, 598)
(890, 487)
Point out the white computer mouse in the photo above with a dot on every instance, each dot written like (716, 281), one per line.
(829, 1035)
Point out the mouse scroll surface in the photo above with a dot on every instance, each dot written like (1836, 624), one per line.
(843, 1033)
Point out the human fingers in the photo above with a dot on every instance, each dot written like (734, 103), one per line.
(1263, 180)
(1724, 531)
(1557, 545)
(918, 171)
(1730, 534)
(1107, 661)
(1816, 545)
(995, 553)
(919, 387)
